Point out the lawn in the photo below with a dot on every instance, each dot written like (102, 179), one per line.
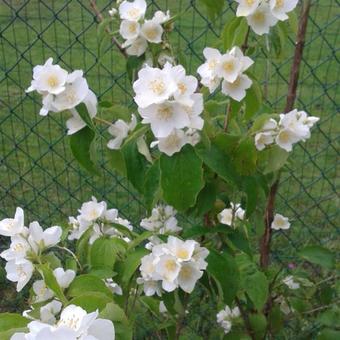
(37, 171)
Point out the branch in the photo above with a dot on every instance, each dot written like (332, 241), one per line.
(294, 77)
(100, 19)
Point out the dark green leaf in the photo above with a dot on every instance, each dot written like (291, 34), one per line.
(329, 334)
(81, 143)
(245, 157)
(272, 159)
(103, 253)
(253, 100)
(133, 64)
(250, 187)
(205, 199)
(84, 115)
(256, 286)
(91, 301)
(318, 255)
(117, 161)
(228, 32)
(258, 323)
(151, 185)
(214, 7)
(181, 178)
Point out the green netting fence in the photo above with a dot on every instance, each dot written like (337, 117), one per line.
(37, 171)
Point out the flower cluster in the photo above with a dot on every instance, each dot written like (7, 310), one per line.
(26, 245)
(167, 101)
(162, 221)
(280, 222)
(62, 91)
(225, 316)
(102, 221)
(228, 68)
(292, 128)
(229, 215)
(263, 14)
(74, 323)
(136, 30)
(171, 265)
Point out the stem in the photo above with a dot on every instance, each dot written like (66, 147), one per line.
(72, 254)
(100, 19)
(245, 319)
(245, 46)
(101, 120)
(179, 324)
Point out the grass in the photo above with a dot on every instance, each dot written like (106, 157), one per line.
(37, 171)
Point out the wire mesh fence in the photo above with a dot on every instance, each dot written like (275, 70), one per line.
(37, 171)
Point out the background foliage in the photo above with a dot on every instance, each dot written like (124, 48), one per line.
(37, 171)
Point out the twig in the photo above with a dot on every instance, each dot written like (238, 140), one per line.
(100, 19)
(321, 307)
(245, 46)
(101, 120)
(72, 254)
(245, 319)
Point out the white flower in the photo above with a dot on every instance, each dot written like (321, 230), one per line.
(161, 17)
(48, 78)
(172, 143)
(17, 250)
(168, 269)
(42, 293)
(153, 86)
(79, 226)
(75, 123)
(188, 276)
(13, 226)
(49, 311)
(75, 91)
(225, 316)
(120, 130)
(64, 277)
(42, 239)
(129, 29)
(183, 250)
(92, 210)
(152, 31)
(229, 215)
(262, 139)
(280, 222)
(165, 58)
(132, 10)
(289, 281)
(162, 308)
(286, 138)
(19, 271)
(136, 47)
(246, 62)
(74, 324)
(262, 19)
(246, 7)
(296, 121)
(112, 12)
(229, 67)
(237, 89)
(270, 125)
(164, 117)
(114, 287)
(280, 8)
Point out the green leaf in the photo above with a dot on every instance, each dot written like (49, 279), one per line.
(52, 260)
(88, 283)
(81, 143)
(222, 267)
(329, 334)
(272, 159)
(205, 200)
(139, 239)
(240, 33)
(253, 100)
(181, 178)
(103, 253)
(256, 286)
(318, 255)
(245, 157)
(91, 301)
(82, 246)
(228, 32)
(10, 321)
(151, 185)
(117, 161)
(218, 161)
(84, 115)
(51, 281)
(131, 263)
(133, 64)
(275, 319)
(329, 317)
(214, 7)
(258, 324)
(250, 187)
(136, 165)
(113, 312)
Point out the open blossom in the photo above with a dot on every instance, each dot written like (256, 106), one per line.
(261, 15)
(229, 215)
(13, 226)
(133, 11)
(49, 311)
(61, 91)
(17, 250)
(64, 277)
(120, 130)
(171, 265)
(74, 323)
(280, 222)
(42, 293)
(290, 283)
(292, 128)
(225, 316)
(95, 215)
(42, 239)
(228, 68)
(19, 271)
